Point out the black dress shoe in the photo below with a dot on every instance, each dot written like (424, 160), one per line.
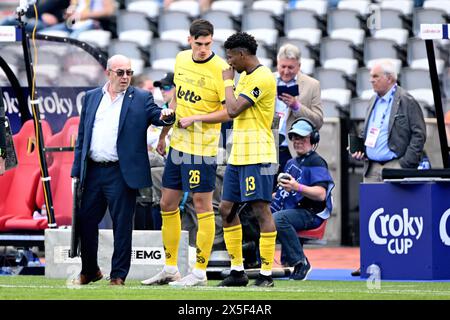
(85, 279)
(116, 282)
(356, 273)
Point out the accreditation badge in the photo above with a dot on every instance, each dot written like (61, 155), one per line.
(372, 137)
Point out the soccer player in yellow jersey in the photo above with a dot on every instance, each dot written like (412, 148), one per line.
(249, 173)
(191, 162)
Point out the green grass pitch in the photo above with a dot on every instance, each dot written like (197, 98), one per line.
(41, 288)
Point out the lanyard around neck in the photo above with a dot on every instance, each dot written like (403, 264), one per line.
(391, 97)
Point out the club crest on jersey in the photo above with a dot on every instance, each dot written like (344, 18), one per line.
(256, 92)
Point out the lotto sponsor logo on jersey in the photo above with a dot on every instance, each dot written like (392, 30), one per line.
(187, 95)
(397, 232)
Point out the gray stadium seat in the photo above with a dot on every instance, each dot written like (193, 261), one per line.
(262, 25)
(417, 55)
(338, 54)
(363, 87)
(424, 15)
(303, 24)
(375, 49)
(346, 24)
(333, 84)
(358, 108)
(174, 25)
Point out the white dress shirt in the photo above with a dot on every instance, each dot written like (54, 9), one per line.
(106, 127)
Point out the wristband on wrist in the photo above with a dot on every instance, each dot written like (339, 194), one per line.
(300, 188)
(228, 83)
(295, 106)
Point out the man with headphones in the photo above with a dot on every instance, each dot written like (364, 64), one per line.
(303, 196)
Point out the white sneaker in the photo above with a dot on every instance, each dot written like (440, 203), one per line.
(190, 280)
(161, 278)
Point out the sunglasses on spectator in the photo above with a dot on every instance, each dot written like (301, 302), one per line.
(121, 72)
(166, 87)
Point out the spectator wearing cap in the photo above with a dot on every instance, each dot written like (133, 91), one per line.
(303, 196)
(167, 88)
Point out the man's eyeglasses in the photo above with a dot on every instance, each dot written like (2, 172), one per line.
(166, 87)
(121, 72)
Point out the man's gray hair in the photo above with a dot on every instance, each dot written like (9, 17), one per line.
(388, 68)
(289, 51)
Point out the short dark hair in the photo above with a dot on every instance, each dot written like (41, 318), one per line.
(201, 28)
(241, 40)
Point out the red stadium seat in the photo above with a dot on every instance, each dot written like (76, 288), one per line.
(313, 236)
(19, 185)
(61, 183)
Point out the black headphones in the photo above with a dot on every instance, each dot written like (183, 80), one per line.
(314, 137)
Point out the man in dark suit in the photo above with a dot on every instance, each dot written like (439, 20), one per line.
(394, 130)
(111, 162)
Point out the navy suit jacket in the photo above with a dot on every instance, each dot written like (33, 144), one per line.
(137, 113)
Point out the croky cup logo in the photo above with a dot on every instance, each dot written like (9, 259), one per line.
(445, 237)
(396, 232)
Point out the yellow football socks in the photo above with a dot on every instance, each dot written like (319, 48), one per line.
(171, 233)
(233, 241)
(267, 242)
(205, 238)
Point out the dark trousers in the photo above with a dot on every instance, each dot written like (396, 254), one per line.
(105, 187)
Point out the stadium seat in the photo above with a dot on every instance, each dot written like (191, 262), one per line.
(163, 53)
(364, 89)
(174, 25)
(417, 58)
(97, 38)
(332, 108)
(135, 27)
(345, 24)
(391, 25)
(418, 84)
(313, 236)
(150, 8)
(303, 24)
(192, 8)
(224, 24)
(274, 6)
(358, 109)
(235, 7)
(333, 85)
(338, 54)
(427, 15)
(376, 49)
(361, 6)
(437, 4)
(19, 199)
(405, 6)
(59, 170)
(318, 6)
(262, 25)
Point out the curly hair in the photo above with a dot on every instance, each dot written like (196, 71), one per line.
(242, 40)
